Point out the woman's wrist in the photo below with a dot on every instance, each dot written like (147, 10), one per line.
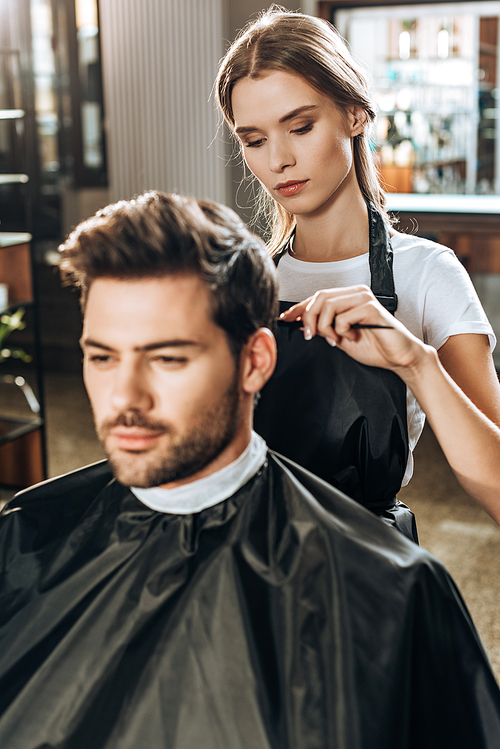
(423, 366)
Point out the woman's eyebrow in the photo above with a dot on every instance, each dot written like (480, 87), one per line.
(289, 116)
(296, 112)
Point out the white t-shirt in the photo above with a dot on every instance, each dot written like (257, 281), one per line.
(436, 298)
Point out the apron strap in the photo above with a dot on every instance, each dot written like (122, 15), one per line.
(381, 260)
(277, 257)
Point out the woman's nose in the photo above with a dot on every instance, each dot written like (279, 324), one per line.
(280, 156)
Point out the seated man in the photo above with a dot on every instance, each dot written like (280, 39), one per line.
(196, 591)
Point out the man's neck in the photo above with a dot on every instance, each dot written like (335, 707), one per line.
(210, 490)
(230, 453)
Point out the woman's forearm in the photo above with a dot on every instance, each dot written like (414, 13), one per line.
(469, 440)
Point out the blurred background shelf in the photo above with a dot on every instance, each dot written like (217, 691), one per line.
(22, 426)
(21, 452)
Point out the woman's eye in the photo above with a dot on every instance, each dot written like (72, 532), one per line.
(254, 143)
(305, 129)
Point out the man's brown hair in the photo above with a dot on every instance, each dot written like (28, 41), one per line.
(158, 235)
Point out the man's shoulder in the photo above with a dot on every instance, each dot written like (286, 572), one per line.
(375, 560)
(49, 511)
(348, 523)
(62, 499)
(90, 478)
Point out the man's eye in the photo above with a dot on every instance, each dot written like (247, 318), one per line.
(170, 361)
(99, 358)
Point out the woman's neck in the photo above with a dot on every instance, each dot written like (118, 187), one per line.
(337, 233)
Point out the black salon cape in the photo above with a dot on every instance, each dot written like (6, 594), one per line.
(285, 617)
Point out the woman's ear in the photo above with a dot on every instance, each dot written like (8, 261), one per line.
(358, 119)
(258, 360)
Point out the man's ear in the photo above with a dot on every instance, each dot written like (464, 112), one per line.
(258, 360)
(357, 118)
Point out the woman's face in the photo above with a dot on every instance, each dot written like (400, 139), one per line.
(296, 141)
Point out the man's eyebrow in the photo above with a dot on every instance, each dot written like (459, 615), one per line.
(294, 113)
(175, 343)
(94, 344)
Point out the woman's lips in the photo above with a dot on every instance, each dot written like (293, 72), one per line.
(287, 189)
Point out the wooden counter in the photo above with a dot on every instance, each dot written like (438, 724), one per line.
(469, 224)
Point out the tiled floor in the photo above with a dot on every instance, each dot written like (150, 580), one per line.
(450, 524)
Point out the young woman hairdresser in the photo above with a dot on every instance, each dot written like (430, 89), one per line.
(356, 292)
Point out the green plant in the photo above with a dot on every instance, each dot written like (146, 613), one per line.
(8, 323)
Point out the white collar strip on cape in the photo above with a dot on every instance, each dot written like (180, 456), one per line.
(208, 491)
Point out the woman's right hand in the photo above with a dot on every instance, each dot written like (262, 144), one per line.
(331, 313)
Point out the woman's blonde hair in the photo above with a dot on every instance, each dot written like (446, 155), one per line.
(312, 49)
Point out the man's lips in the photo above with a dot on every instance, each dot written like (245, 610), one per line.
(292, 187)
(134, 438)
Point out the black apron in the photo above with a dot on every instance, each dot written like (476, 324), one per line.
(342, 420)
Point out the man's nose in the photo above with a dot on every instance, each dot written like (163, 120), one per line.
(131, 390)
(280, 155)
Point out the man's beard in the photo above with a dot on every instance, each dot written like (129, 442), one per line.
(184, 454)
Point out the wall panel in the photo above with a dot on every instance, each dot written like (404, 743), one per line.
(159, 63)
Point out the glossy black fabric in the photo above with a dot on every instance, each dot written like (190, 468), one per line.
(341, 420)
(286, 617)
